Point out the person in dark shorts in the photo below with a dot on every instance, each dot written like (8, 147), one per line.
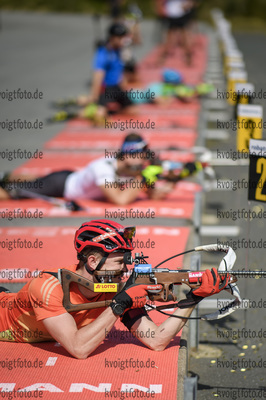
(116, 9)
(176, 16)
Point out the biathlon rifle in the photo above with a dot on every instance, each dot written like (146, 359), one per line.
(171, 171)
(165, 170)
(166, 279)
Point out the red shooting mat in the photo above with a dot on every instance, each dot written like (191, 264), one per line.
(178, 204)
(57, 250)
(120, 364)
(110, 370)
(80, 124)
(153, 121)
(160, 121)
(151, 70)
(190, 76)
(80, 136)
(173, 106)
(70, 160)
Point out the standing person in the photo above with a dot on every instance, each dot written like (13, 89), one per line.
(176, 14)
(116, 11)
(36, 313)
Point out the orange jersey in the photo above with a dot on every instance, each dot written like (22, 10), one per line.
(22, 313)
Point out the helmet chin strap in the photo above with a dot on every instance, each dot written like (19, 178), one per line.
(91, 270)
(127, 258)
(102, 261)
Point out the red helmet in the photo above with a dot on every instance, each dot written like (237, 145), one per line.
(105, 234)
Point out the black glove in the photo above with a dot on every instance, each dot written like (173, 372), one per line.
(132, 296)
(190, 301)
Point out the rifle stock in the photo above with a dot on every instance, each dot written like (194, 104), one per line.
(165, 277)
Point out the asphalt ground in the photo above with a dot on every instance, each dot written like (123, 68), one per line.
(52, 53)
(231, 351)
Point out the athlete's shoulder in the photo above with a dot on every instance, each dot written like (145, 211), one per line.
(41, 288)
(109, 161)
(101, 53)
(47, 284)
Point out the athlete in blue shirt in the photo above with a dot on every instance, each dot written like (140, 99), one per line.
(108, 66)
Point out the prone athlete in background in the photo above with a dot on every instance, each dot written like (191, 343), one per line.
(171, 86)
(112, 178)
(118, 178)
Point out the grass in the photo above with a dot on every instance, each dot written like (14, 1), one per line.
(245, 15)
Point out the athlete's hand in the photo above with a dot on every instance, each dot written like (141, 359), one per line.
(160, 192)
(84, 100)
(135, 295)
(211, 283)
(190, 168)
(151, 172)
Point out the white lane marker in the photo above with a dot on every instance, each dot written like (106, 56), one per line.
(51, 361)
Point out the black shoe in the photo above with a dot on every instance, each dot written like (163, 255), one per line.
(4, 178)
(2, 289)
(61, 116)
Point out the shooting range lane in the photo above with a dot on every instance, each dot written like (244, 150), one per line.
(159, 121)
(173, 106)
(125, 364)
(57, 160)
(180, 203)
(77, 136)
(154, 241)
(59, 375)
(192, 74)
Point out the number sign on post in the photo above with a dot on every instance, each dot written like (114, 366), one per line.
(257, 170)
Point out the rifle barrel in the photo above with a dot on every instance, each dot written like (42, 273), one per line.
(246, 273)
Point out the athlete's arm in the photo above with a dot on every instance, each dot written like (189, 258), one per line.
(122, 197)
(97, 80)
(160, 5)
(46, 292)
(158, 337)
(80, 342)
(159, 193)
(211, 284)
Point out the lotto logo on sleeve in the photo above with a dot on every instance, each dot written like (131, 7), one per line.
(105, 287)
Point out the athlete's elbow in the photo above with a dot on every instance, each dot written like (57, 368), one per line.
(157, 346)
(79, 353)
(121, 201)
